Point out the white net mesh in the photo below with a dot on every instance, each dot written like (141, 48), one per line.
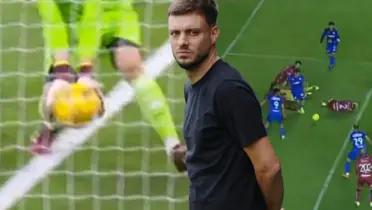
(123, 164)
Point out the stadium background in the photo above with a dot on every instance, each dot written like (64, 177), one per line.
(259, 37)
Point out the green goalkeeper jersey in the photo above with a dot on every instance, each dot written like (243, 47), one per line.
(73, 10)
(85, 23)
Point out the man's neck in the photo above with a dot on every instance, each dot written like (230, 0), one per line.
(198, 72)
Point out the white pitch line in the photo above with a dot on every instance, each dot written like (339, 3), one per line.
(244, 27)
(279, 57)
(338, 158)
(290, 57)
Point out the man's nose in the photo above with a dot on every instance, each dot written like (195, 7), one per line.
(183, 40)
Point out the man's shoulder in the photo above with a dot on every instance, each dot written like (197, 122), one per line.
(233, 84)
(225, 71)
(229, 88)
(222, 72)
(226, 78)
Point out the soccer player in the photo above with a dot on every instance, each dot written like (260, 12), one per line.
(296, 84)
(363, 170)
(358, 139)
(333, 39)
(85, 26)
(281, 81)
(336, 105)
(230, 161)
(281, 78)
(289, 102)
(276, 111)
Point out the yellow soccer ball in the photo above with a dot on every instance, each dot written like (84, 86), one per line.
(77, 105)
(316, 117)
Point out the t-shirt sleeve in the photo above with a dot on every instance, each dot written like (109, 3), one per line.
(239, 112)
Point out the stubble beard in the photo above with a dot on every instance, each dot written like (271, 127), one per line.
(190, 66)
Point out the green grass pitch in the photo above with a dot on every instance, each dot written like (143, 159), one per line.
(259, 37)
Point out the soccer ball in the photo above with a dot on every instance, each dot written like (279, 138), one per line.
(316, 117)
(76, 105)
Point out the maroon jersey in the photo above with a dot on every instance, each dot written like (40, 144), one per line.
(341, 105)
(284, 74)
(363, 169)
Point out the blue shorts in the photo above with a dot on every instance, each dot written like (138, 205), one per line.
(354, 154)
(275, 116)
(331, 48)
(298, 95)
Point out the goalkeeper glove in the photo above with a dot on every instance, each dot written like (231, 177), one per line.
(86, 77)
(59, 78)
(62, 71)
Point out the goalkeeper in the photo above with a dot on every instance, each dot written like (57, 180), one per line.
(86, 26)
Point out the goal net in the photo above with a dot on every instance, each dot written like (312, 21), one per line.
(119, 161)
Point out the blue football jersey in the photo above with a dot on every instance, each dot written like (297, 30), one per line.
(275, 103)
(358, 139)
(296, 82)
(331, 35)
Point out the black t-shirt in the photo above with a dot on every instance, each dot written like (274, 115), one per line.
(222, 116)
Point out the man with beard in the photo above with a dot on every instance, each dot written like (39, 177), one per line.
(230, 161)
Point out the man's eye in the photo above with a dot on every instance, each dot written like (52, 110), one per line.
(174, 33)
(194, 33)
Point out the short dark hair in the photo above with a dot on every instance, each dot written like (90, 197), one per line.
(208, 8)
(356, 126)
(298, 62)
(331, 23)
(276, 90)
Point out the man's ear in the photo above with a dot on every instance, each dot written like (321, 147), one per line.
(215, 33)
